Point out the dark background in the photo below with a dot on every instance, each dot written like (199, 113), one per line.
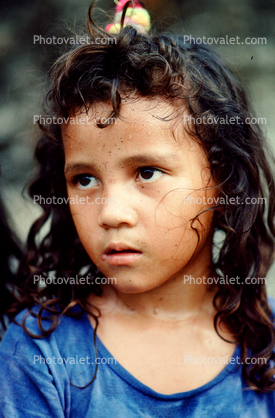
(24, 66)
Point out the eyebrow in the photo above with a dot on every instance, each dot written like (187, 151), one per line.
(135, 159)
(151, 159)
(77, 167)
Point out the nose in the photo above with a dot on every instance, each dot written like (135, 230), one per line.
(117, 211)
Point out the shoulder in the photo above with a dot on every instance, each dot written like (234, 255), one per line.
(28, 376)
(59, 353)
(15, 334)
(17, 339)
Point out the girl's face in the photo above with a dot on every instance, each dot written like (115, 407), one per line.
(134, 188)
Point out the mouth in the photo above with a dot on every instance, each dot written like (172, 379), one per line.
(120, 254)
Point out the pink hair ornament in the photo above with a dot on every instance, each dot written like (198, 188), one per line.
(135, 16)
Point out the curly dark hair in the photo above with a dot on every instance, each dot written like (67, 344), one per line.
(148, 66)
(11, 252)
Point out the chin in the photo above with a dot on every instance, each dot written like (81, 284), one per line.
(133, 288)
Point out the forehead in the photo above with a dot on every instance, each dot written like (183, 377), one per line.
(135, 115)
(143, 125)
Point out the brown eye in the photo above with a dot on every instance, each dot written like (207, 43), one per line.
(85, 181)
(149, 173)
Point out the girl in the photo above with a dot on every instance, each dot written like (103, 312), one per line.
(159, 205)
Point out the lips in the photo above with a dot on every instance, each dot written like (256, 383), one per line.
(118, 254)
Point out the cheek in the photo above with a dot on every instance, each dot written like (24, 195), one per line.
(83, 219)
(176, 210)
(175, 230)
(80, 218)
(172, 232)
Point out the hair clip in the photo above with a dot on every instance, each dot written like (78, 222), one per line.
(135, 15)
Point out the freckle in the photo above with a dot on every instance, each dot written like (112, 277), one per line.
(161, 299)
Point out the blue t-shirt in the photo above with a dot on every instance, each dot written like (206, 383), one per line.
(36, 377)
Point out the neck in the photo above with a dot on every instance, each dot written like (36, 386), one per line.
(177, 299)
